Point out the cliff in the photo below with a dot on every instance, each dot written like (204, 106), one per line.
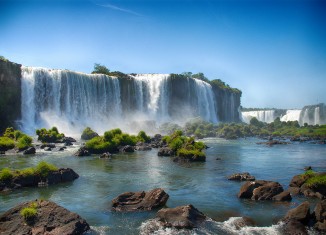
(10, 93)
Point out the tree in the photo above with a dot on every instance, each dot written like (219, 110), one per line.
(100, 69)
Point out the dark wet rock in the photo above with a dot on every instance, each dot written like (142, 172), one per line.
(106, 155)
(165, 152)
(274, 142)
(294, 227)
(62, 175)
(267, 191)
(140, 201)
(243, 222)
(283, 196)
(127, 149)
(246, 190)
(68, 144)
(48, 145)
(61, 149)
(321, 226)
(181, 217)
(51, 219)
(82, 151)
(68, 140)
(156, 141)
(30, 150)
(320, 215)
(300, 213)
(47, 149)
(218, 158)
(241, 177)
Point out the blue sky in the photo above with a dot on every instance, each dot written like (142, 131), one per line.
(274, 51)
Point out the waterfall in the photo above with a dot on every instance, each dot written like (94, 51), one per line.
(267, 116)
(71, 100)
(291, 115)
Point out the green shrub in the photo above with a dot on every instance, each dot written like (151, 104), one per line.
(6, 174)
(28, 213)
(6, 143)
(49, 136)
(24, 142)
(88, 134)
(26, 172)
(43, 169)
(309, 173)
(142, 137)
(9, 132)
(176, 143)
(18, 134)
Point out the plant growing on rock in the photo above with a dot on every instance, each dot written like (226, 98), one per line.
(6, 143)
(30, 212)
(6, 175)
(43, 169)
(88, 134)
(49, 136)
(142, 137)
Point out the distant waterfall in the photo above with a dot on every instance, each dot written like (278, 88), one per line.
(262, 115)
(311, 114)
(71, 101)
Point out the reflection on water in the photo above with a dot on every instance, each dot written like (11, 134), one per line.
(201, 184)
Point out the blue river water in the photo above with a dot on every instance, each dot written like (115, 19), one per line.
(204, 185)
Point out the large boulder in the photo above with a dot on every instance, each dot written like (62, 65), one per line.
(165, 152)
(283, 196)
(140, 201)
(294, 227)
(300, 213)
(246, 190)
(245, 176)
(267, 191)
(51, 219)
(181, 217)
(298, 180)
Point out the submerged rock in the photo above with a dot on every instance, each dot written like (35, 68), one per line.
(273, 142)
(51, 219)
(241, 177)
(140, 201)
(181, 217)
(106, 155)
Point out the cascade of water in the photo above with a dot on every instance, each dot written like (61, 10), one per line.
(291, 115)
(267, 116)
(317, 116)
(72, 101)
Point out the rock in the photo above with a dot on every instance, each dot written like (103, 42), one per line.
(283, 196)
(241, 177)
(274, 142)
(300, 213)
(47, 149)
(298, 180)
(307, 168)
(294, 227)
(320, 211)
(68, 140)
(68, 144)
(242, 222)
(127, 149)
(51, 219)
(181, 217)
(30, 150)
(140, 201)
(321, 226)
(246, 190)
(267, 191)
(106, 155)
(165, 152)
(82, 151)
(143, 147)
(88, 134)
(61, 149)
(2, 152)
(294, 190)
(48, 145)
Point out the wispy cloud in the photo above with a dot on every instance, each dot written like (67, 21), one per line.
(113, 7)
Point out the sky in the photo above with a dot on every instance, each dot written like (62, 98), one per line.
(273, 51)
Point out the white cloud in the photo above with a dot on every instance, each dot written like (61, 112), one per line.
(113, 7)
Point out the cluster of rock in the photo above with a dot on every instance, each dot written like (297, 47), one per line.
(50, 219)
(274, 142)
(53, 177)
(297, 219)
(298, 186)
(245, 176)
(264, 190)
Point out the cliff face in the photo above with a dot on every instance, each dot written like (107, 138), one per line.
(10, 93)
